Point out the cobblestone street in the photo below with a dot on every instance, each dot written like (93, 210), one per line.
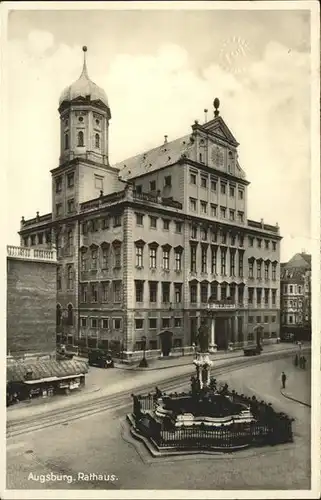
(99, 445)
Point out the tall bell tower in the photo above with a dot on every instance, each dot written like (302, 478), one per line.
(84, 120)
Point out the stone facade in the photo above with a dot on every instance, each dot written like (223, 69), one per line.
(143, 244)
(31, 301)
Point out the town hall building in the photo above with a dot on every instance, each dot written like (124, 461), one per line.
(148, 247)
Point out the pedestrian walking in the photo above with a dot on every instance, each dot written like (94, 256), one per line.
(283, 378)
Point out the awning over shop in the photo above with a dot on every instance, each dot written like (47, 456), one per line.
(43, 371)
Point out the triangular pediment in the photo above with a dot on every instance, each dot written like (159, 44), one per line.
(218, 127)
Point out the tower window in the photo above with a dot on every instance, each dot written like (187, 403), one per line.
(80, 138)
(97, 141)
(66, 141)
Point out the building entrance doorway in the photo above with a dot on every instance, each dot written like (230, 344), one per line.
(221, 333)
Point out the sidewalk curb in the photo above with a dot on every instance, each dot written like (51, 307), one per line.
(295, 400)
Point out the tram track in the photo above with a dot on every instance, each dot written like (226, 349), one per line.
(122, 400)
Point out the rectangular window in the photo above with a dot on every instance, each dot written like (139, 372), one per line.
(178, 293)
(274, 271)
(70, 277)
(152, 323)
(94, 292)
(241, 194)
(152, 258)
(258, 319)
(104, 292)
(259, 269)
(203, 182)
(192, 204)
(273, 319)
(94, 258)
(204, 293)
(266, 270)
(70, 206)
(104, 257)
(152, 186)
(192, 178)
(165, 293)
(232, 263)
(166, 259)
(153, 291)
(232, 214)
(139, 256)
(168, 181)
(58, 209)
(266, 296)
(223, 188)
(40, 238)
(83, 261)
(178, 261)
(194, 232)
(83, 293)
(233, 240)
(267, 244)
(166, 224)
(232, 191)
(139, 189)
(213, 185)
(153, 222)
(178, 227)
(266, 319)
(273, 245)
(241, 255)
(193, 293)
(117, 256)
(139, 289)
(258, 296)
(58, 184)
(214, 260)
(203, 207)
(117, 291)
(251, 269)
(251, 241)
(224, 238)
(83, 322)
(166, 322)
(251, 295)
(223, 292)
(213, 210)
(223, 212)
(94, 323)
(204, 259)
(105, 223)
(139, 323)
(259, 243)
(223, 261)
(251, 319)
(117, 221)
(273, 297)
(104, 323)
(177, 322)
(117, 323)
(204, 234)
(70, 180)
(139, 219)
(240, 216)
(193, 258)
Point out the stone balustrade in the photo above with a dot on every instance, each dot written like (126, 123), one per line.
(30, 253)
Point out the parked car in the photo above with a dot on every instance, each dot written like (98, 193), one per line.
(252, 350)
(100, 358)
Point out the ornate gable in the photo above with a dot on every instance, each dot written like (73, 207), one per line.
(218, 127)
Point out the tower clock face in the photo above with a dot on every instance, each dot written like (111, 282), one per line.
(217, 156)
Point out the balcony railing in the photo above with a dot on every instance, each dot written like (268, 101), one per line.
(31, 253)
(261, 225)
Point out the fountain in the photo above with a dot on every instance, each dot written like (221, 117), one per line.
(209, 416)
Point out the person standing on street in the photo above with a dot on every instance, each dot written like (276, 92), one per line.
(283, 378)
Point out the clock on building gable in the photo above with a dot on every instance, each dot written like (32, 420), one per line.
(217, 155)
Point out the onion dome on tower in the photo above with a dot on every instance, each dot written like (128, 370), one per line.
(85, 89)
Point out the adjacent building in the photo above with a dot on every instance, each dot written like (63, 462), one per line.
(144, 244)
(31, 295)
(296, 297)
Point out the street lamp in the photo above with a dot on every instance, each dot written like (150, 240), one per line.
(143, 363)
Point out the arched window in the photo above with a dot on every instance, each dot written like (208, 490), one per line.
(66, 141)
(97, 141)
(70, 317)
(58, 315)
(80, 138)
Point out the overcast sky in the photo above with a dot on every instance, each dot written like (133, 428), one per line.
(160, 70)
